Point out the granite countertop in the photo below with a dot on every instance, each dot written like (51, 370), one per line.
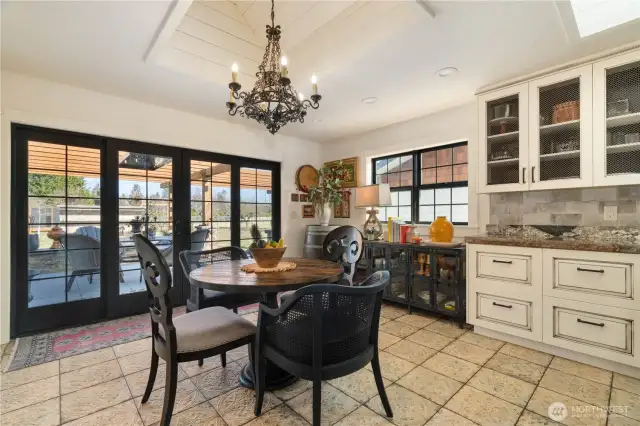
(602, 239)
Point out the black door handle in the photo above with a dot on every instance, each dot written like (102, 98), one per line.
(597, 324)
(502, 306)
(507, 262)
(533, 174)
(524, 175)
(599, 271)
(176, 228)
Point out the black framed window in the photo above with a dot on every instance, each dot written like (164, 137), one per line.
(426, 184)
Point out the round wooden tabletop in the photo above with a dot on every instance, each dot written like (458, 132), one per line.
(227, 276)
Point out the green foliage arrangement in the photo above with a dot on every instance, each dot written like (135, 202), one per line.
(329, 187)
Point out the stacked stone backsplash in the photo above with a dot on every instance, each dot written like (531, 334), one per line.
(571, 207)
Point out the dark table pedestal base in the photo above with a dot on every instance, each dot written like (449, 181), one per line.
(277, 378)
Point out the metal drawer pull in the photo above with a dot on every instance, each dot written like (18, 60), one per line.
(504, 306)
(599, 271)
(591, 323)
(508, 262)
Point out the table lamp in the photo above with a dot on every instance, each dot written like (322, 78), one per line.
(373, 196)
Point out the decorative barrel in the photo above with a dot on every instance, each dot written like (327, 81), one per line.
(314, 238)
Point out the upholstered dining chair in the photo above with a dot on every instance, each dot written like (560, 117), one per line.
(201, 298)
(344, 245)
(189, 337)
(321, 332)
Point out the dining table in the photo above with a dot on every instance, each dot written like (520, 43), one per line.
(229, 277)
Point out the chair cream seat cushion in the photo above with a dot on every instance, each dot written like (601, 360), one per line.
(209, 328)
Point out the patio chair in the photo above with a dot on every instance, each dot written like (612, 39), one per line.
(201, 298)
(344, 245)
(321, 332)
(83, 254)
(196, 335)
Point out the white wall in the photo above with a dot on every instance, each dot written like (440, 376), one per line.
(448, 126)
(43, 103)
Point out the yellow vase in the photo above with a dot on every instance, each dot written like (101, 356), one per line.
(441, 230)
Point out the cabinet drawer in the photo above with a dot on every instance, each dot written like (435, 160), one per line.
(504, 267)
(503, 310)
(593, 277)
(603, 331)
(593, 329)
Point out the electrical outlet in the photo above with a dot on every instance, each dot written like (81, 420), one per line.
(610, 212)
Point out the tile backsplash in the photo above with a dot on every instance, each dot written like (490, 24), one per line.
(572, 207)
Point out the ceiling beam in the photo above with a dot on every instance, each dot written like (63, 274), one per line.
(177, 10)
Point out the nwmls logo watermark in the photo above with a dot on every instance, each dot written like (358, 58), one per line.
(559, 411)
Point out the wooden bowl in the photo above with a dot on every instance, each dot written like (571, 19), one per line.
(268, 258)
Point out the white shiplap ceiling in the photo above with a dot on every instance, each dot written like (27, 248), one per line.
(178, 53)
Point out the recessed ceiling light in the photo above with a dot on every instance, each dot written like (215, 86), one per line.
(370, 100)
(447, 71)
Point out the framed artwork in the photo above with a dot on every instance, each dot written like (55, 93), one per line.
(351, 166)
(294, 197)
(304, 198)
(337, 210)
(346, 205)
(308, 212)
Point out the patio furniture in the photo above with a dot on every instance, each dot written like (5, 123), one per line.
(195, 335)
(201, 298)
(344, 245)
(321, 332)
(83, 254)
(89, 231)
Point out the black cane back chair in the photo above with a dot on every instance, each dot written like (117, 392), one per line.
(344, 245)
(193, 336)
(321, 332)
(201, 298)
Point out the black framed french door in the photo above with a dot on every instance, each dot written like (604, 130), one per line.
(231, 201)
(78, 199)
(58, 213)
(143, 190)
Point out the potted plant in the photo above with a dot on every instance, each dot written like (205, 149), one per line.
(328, 191)
(136, 224)
(151, 231)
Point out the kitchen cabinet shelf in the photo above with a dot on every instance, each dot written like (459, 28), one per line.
(549, 129)
(560, 155)
(503, 161)
(623, 120)
(504, 137)
(627, 147)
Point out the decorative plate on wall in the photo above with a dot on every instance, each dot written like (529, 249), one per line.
(306, 177)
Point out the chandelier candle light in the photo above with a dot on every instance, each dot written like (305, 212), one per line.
(272, 101)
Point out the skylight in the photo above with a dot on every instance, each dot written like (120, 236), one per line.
(593, 16)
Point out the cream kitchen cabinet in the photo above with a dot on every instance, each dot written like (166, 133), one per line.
(616, 120)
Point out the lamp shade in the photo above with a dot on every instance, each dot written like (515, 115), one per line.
(373, 196)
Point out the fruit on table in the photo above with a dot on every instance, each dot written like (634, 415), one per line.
(270, 244)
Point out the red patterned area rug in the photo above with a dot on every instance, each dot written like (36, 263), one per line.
(41, 348)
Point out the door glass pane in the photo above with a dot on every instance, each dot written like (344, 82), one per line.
(560, 130)
(210, 205)
(145, 206)
(623, 119)
(64, 239)
(502, 141)
(255, 207)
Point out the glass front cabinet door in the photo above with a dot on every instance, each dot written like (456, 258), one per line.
(560, 130)
(616, 121)
(504, 139)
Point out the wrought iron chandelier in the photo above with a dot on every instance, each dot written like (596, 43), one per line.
(272, 101)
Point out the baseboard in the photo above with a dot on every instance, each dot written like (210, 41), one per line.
(565, 353)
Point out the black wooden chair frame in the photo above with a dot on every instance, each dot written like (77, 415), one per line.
(154, 266)
(317, 372)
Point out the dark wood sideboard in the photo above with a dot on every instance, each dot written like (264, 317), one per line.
(422, 277)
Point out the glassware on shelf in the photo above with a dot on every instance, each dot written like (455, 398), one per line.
(619, 107)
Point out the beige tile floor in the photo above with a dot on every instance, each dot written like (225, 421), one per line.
(435, 374)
